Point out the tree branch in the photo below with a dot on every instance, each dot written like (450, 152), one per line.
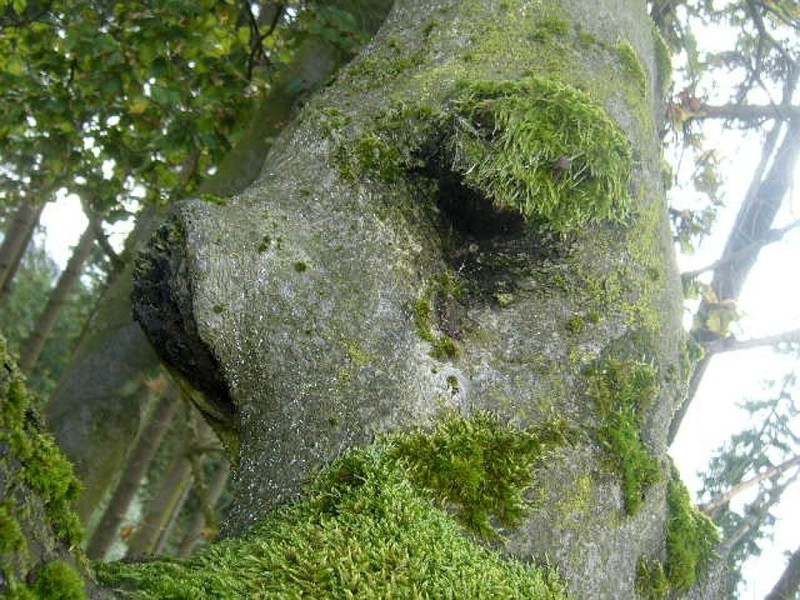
(714, 504)
(770, 237)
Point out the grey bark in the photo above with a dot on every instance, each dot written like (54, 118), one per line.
(147, 444)
(292, 306)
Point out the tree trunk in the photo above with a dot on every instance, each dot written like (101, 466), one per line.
(141, 457)
(34, 344)
(789, 582)
(170, 491)
(169, 525)
(399, 255)
(200, 521)
(16, 241)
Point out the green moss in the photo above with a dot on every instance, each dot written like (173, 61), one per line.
(59, 581)
(542, 148)
(11, 537)
(691, 537)
(300, 267)
(480, 466)
(576, 324)
(43, 467)
(651, 581)
(362, 531)
(623, 391)
(632, 65)
(444, 348)
(422, 319)
(549, 27)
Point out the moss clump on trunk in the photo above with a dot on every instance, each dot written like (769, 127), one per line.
(38, 525)
(623, 392)
(371, 526)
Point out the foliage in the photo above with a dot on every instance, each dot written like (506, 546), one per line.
(479, 466)
(117, 100)
(363, 530)
(623, 391)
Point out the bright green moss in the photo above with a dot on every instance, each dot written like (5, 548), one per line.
(42, 465)
(542, 148)
(444, 348)
(651, 581)
(59, 581)
(623, 392)
(576, 324)
(691, 537)
(362, 531)
(632, 65)
(11, 537)
(480, 466)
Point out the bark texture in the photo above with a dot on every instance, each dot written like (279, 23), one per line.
(363, 285)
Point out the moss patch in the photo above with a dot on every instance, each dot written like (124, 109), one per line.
(623, 391)
(691, 537)
(363, 530)
(651, 581)
(37, 515)
(479, 466)
(59, 581)
(542, 148)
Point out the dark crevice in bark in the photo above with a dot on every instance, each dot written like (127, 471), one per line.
(162, 301)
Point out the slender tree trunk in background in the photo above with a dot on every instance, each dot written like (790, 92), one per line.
(169, 526)
(789, 582)
(770, 184)
(33, 346)
(200, 521)
(141, 457)
(91, 412)
(172, 486)
(16, 241)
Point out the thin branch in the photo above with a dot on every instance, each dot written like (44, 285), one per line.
(770, 237)
(721, 500)
(731, 344)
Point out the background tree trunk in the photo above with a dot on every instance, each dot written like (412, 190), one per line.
(200, 520)
(786, 587)
(157, 424)
(16, 240)
(33, 346)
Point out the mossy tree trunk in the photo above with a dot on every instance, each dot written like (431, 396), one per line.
(470, 217)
